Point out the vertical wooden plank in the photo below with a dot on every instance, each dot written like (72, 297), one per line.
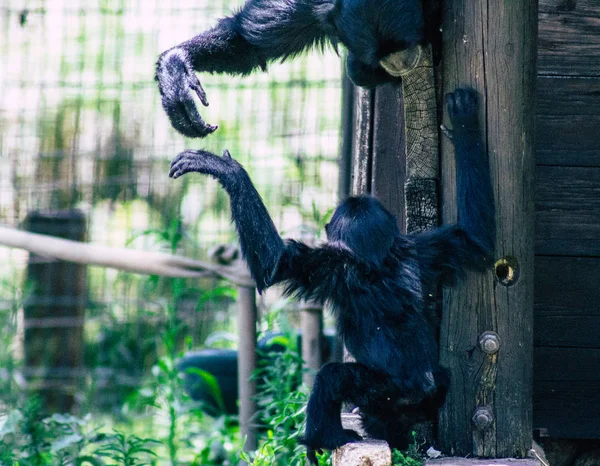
(388, 165)
(345, 178)
(247, 316)
(362, 148)
(311, 322)
(491, 46)
(54, 313)
(420, 126)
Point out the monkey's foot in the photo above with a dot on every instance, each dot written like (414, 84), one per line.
(462, 110)
(327, 441)
(176, 82)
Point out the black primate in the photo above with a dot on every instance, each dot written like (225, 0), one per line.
(382, 38)
(376, 281)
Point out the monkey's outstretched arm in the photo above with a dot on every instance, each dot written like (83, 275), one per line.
(263, 30)
(447, 251)
(261, 244)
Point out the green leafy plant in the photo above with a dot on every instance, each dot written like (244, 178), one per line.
(282, 408)
(127, 450)
(164, 390)
(411, 457)
(28, 438)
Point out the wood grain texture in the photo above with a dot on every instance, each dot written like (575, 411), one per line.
(57, 295)
(568, 118)
(567, 211)
(567, 409)
(491, 46)
(567, 331)
(389, 169)
(247, 317)
(567, 364)
(420, 122)
(422, 146)
(569, 37)
(567, 286)
(362, 147)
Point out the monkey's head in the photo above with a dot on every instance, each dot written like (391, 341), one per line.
(386, 33)
(365, 227)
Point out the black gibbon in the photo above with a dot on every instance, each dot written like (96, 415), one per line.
(377, 282)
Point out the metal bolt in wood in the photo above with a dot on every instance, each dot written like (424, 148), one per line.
(489, 342)
(483, 418)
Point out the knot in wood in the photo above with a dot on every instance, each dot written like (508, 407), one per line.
(483, 418)
(489, 342)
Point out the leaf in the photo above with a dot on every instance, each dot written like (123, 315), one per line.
(211, 383)
(65, 442)
(67, 419)
(11, 423)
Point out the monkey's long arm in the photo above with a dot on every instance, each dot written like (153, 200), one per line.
(447, 251)
(263, 30)
(316, 273)
(261, 244)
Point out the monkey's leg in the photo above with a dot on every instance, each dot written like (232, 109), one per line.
(334, 384)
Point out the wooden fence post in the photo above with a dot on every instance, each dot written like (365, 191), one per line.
(54, 314)
(311, 322)
(247, 316)
(491, 46)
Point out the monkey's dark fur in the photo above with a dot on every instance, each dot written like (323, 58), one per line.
(266, 30)
(376, 281)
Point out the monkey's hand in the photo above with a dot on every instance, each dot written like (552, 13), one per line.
(176, 81)
(200, 161)
(462, 110)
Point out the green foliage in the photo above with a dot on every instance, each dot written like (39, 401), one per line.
(164, 391)
(282, 408)
(28, 438)
(127, 450)
(411, 457)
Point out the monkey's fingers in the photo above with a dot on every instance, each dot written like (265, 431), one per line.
(447, 132)
(195, 85)
(462, 108)
(177, 82)
(185, 162)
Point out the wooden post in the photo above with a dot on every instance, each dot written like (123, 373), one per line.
(247, 315)
(491, 46)
(311, 322)
(54, 314)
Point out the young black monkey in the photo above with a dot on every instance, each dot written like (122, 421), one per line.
(376, 280)
(383, 39)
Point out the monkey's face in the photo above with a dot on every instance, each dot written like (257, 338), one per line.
(386, 33)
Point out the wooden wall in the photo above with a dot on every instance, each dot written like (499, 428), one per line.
(567, 266)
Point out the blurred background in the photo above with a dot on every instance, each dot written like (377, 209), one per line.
(81, 127)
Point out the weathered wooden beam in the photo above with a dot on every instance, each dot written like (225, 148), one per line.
(362, 147)
(422, 157)
(491, 46)
(247, 316)
(311, 322)
(480, 462)
(54, 313)
(129, 260)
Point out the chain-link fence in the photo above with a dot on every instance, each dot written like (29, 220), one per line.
(81, 126)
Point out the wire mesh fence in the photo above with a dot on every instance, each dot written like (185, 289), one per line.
(81, 126)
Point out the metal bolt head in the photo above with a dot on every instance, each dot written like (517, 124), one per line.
(483, 418)
(489, 342)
